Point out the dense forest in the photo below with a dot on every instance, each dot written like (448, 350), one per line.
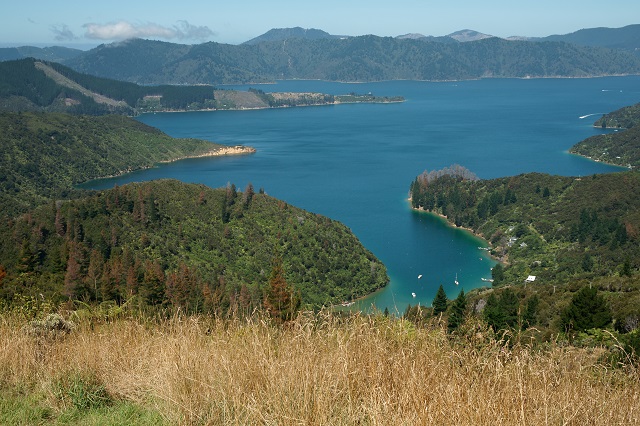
(216, 248)
(43, 155)
(621, 147)
(174, 244)
(565, 232)
(364, 58)
(544, 225)
(623, 118)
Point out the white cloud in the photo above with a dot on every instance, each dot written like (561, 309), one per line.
(123, 30)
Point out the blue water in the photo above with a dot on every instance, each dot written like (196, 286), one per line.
(354, 163)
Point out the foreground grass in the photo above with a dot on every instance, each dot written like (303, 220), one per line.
(318, 371)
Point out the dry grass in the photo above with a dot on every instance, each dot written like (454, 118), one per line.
(324, 371)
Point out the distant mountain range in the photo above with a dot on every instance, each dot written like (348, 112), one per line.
(316, 54)
(53, 53)
(627, 38)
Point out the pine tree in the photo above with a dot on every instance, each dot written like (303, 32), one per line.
(492, 313)
(439, 302)
(497, 273)
(529, 319)
(458, 311)
(510, 305)
(586, 310)
(279, 301)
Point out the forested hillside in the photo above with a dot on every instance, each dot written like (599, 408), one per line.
(623, 118)
(52, 53)
(173, 244)
(627, 38)
(557, 228)
(620, 147)
(569, 248)
(47, 86)
(42, 155)
(365, 58)
(29, 85)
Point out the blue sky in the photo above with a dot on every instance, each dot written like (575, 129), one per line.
(87, 23)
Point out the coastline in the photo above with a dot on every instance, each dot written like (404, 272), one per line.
(595, 160)
(503, 261)
(221, 151)
(218, 152)
(382, 100)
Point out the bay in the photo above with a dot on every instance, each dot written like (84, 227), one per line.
(354, 163)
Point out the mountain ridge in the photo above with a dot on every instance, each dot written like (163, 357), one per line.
(363, 58)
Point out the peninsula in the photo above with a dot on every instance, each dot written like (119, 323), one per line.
(621, 147)
(31, 85)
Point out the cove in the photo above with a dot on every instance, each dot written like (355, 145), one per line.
(354, 163)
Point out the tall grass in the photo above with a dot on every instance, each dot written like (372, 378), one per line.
(319, 370)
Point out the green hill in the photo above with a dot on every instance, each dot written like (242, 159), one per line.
(557, 228)
(623, 118)
(52, 53)
(627, 38)
(364, 58)
(29, 85)
(167, 243)
(42, 155)
(620, 148)
(181, 245)
(556, 236)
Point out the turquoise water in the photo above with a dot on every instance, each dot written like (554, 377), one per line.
(354, 163)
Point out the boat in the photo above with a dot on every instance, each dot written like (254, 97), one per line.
(489, 280)
(413, 294)
(419, 276)
(457, 279)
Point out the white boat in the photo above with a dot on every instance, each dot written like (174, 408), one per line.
(413, 294)
(419, 276)
(457, 279)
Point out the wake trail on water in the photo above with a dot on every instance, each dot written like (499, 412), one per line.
(589, 115)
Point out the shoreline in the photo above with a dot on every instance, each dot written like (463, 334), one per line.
(267, 107)
(224, 150)
(218, 152)
(503, 261)
(595, 160)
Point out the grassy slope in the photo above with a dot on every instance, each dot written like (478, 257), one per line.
(364, 370)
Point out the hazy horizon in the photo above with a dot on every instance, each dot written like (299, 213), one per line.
(76, 24)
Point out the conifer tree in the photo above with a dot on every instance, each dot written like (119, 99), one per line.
(279, 301)
(439, 302)
(492, 313)
(458, 310)
(586, 310)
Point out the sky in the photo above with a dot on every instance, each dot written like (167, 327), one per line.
(86, 24)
